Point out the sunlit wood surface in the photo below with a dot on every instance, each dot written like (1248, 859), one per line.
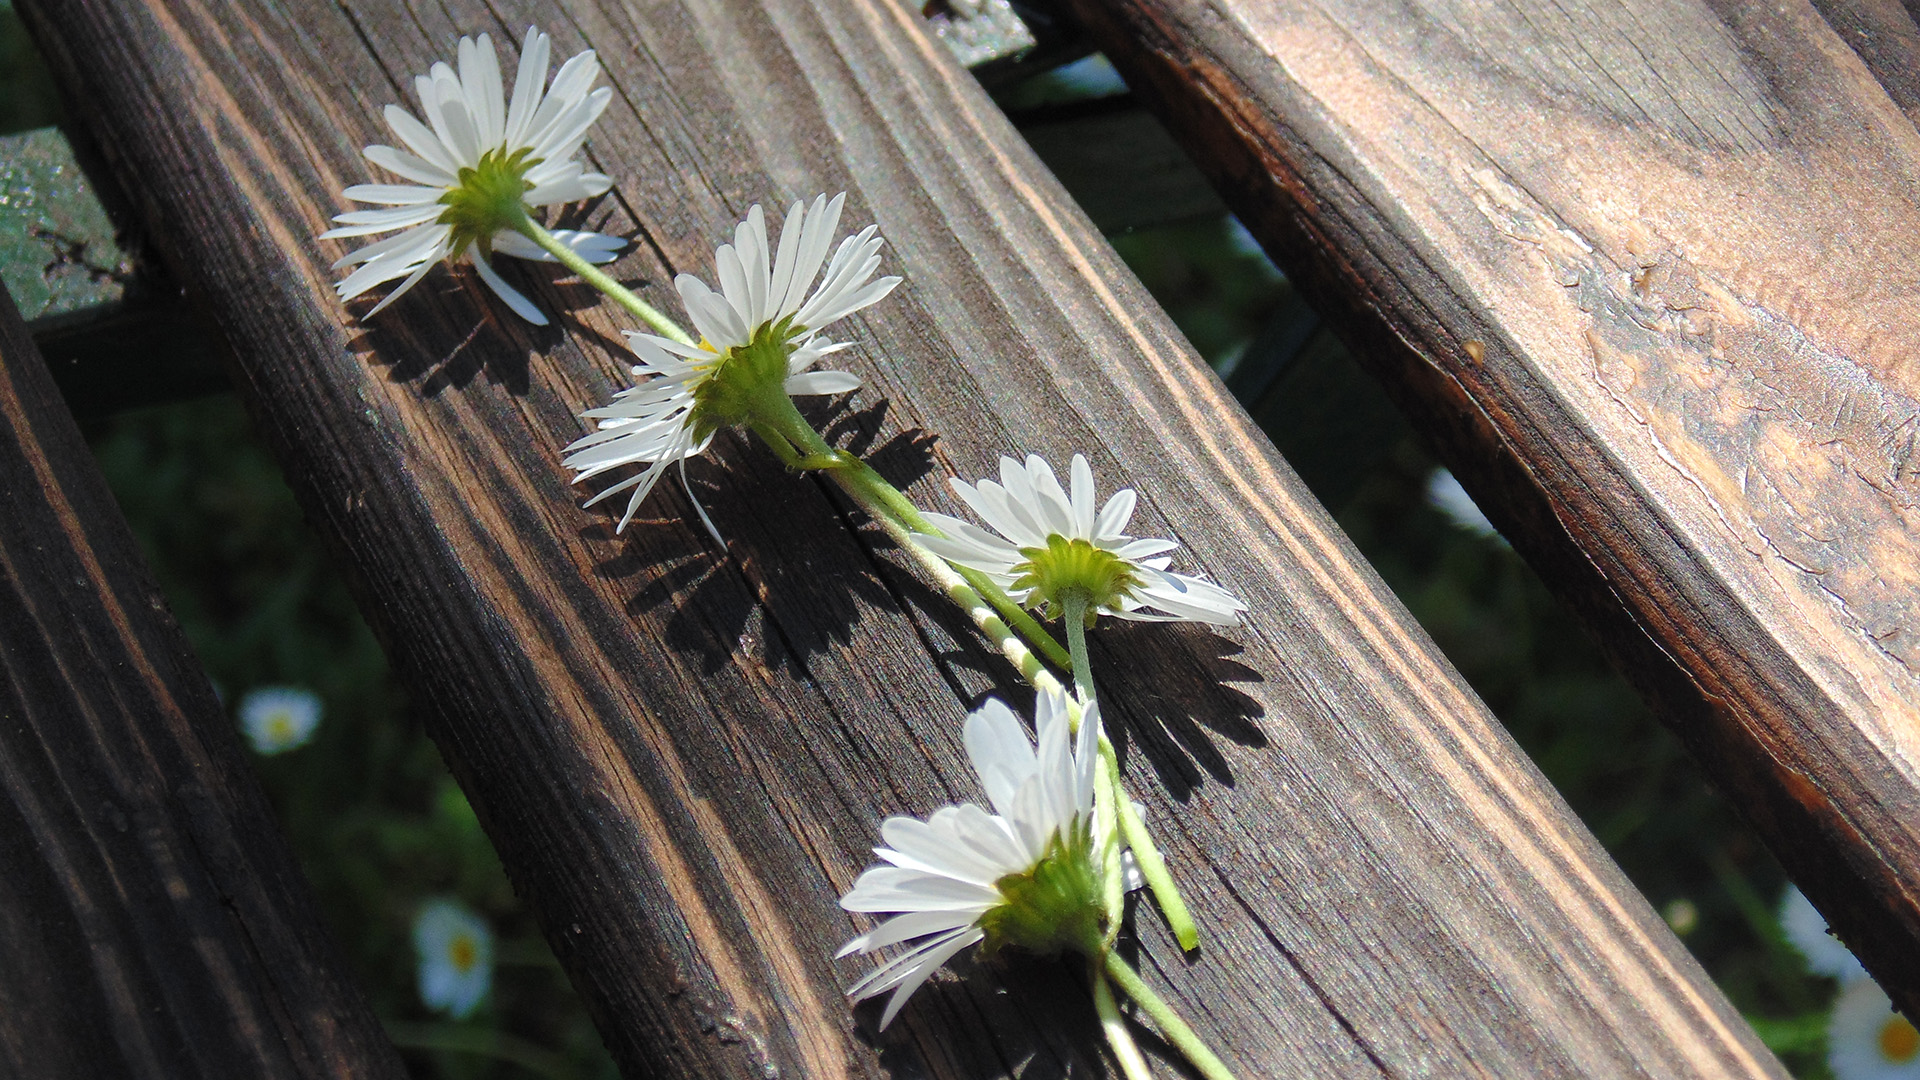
(683, 753)
(1649, 276)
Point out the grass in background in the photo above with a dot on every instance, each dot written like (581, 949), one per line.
(373, 815)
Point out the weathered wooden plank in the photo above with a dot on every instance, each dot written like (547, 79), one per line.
(682, 753)
(1649, 275)
(152, 920)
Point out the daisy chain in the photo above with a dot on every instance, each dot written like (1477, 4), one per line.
(477, 166)
(759, 340)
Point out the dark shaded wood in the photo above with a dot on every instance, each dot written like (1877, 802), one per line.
(1649, 276)
(152, 920)
(683, 754)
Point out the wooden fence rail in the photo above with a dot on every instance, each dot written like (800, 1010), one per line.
(152, 920)
(1649, 276)
(682, 753)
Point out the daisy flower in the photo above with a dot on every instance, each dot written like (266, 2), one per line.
(759, 339)
(1027, 874)
(1806, 930)
(279, 718)
(477, 166)
(1052, 544)
(1867, 1040)
(456, 957)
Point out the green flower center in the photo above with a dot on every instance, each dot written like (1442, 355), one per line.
(1065, 567)
(746, 381)
(491, 197)
(1057, 905)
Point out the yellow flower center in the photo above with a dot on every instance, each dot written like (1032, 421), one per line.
(280, 728)
(1066, 566)
(463, 953)
(1899, 1042)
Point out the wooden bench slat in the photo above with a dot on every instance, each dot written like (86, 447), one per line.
(1650, 279)
(152, 920)
(683, 756)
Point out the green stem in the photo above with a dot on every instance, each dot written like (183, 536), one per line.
(601, 280)
(1146, 855)
(1075, 601)
(882, 500)
(1174, 1029)
(1017, 616)
(1132, 1065)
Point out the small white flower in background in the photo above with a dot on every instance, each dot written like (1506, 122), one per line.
(1806, 930)
(1027, 874)
(456, 957)
(1051, 542)
(478, 164)
(1867, 1040)
(279, 718)
(759, 336)
(1447, 496)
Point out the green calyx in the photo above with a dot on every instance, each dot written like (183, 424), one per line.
(491, 197)
(748, 384)
(1055, 906)
(1066, 567)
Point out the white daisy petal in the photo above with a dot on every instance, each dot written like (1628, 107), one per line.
(407, 246)
(1115, 515)
(422, 141)
(521, 306)
(411, 166)
(1082, 496)
(905, 927)
(570, 130)
(392, 194)
(997, 745)
(930, 960)
(821, 382)
(591, 246)
(398, 291)
(424, 249)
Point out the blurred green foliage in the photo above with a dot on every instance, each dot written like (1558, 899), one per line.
(27, 97)
(375, 818)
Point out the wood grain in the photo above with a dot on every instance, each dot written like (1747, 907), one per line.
(1649, 275)
(152, 920)
(683, 753)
